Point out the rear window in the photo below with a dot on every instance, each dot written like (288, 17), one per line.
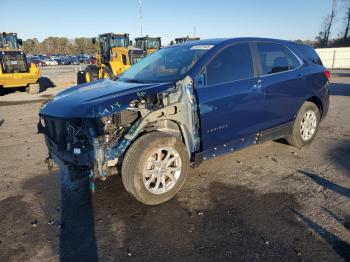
(309, 54)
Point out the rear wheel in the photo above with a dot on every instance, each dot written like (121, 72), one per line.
(305, 125)
(155, 168)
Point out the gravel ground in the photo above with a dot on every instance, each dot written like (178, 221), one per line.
(270, 202)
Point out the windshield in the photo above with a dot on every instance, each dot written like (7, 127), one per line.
(108, 42)
(117, 42)
(166, 65)
(148, 43)
(11, 40)
(153, 44)
(179, 41)
(139, 44)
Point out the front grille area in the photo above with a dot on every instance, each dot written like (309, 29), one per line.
(13, 62)
(56, 131)
(68, 134)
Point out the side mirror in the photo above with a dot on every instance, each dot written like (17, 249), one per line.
(93, 40)
(19, 41)
(201, 80)
(130, 42)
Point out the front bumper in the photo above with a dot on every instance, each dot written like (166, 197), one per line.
(84, 152)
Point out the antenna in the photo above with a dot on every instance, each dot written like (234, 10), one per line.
(140, 2)
(194, 31)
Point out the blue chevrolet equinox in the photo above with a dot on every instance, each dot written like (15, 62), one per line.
(182, 105)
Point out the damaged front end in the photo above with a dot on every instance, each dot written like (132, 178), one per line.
(95, 145)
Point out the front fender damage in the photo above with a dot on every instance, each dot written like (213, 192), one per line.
(97, 145)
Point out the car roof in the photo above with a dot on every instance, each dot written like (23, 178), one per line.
(224, 41)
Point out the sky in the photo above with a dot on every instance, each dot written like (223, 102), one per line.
(286, 19)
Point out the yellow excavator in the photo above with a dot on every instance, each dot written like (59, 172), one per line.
(180, 40)
(116, 55)
(14, 70)
(149, 44)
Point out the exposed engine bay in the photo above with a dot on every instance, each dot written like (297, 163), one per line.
(97, 145)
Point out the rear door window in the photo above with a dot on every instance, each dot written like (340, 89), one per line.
(231, 64)
(273, 58)
(293, 61)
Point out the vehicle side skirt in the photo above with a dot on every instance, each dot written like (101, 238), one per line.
(258, 138)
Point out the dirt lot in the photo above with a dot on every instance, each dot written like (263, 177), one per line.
(266, 203)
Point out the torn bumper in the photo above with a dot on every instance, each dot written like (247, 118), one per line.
(78, 152)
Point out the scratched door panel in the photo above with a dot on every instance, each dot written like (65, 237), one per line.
(231, 102)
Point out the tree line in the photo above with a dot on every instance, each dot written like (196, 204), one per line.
(60, 45)
(339, 9)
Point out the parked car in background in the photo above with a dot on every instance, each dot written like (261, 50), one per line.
(74, 60)
(37, 62)
(51, 62)
(185, 104)
(84, 58)
(63, 61)
(92, 61)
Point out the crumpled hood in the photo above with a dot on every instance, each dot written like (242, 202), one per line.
(97, 99)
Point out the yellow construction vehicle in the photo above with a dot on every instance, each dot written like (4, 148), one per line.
(116, 55)
(180, 40)
(149, 44)
(14, 69)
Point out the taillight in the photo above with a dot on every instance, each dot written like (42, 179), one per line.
(327, 74)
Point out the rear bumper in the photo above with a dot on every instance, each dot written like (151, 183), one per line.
(325, 101)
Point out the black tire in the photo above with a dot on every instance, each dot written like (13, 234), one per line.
(296, 138)
(93, 71)
(135, 161)
(81, 77)
(107, 72)
(2, 91)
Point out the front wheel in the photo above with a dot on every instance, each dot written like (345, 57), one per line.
(155, 168)
(305, 125)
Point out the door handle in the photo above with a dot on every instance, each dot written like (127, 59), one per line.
(258, 84)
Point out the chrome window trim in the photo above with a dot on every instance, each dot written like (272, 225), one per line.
(218, 52)
(288, 71)
(227, 82)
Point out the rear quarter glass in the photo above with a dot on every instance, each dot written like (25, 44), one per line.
(308, 54)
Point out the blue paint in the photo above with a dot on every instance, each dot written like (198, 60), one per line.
(98, 99)
(230, 114)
